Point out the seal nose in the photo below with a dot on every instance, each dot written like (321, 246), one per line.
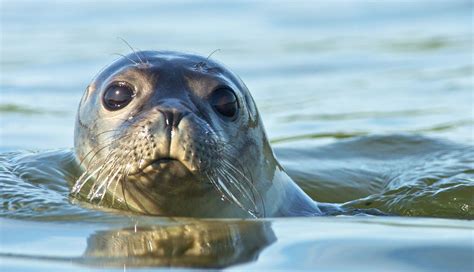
(172, 117)
(172, 111)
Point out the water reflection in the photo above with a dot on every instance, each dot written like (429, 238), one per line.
(210, 244)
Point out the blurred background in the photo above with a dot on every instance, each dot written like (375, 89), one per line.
(318, 70)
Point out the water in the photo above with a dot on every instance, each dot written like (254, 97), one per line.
(366, 104)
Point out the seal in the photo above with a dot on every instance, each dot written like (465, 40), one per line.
(176, 134)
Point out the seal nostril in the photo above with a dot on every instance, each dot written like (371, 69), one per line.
(168, 117)
(178, 117)
(172, 118)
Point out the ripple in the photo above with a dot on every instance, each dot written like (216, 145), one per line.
(335, 135)
(362, 115)
(425, 44)
(26, 110)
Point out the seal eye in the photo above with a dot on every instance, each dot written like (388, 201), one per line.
(117, 96)
(225, 102)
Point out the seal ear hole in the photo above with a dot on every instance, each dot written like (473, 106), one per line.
(225, 102)
(117, 96)
(86, 93)
(85, 96)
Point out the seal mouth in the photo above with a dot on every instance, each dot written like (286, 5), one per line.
(163, 167)
(154, 164)
(159, 163)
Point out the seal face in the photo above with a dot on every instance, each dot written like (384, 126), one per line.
(168, 133)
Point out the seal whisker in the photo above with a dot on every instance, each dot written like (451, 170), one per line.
(81, 181)
(212, 53)
(229, 164)
(232, 181)
(221, 181)
(227, 192)
(109, 179)
(144, 193)
(112, 118)
(241, 174)
(102, 147)
(99, 148)
(124, 177)
(95, 122)
(106, 168)
(125, 184)
(114, 180)
(94, 153)
(119, 181)
(133, 50)
(137, 201)
(212, 179)
(118, 54)
(113, 159)
(107, 131)
(143, 56)
(98, 182)
(100, 185)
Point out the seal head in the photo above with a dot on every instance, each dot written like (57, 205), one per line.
(168, 133)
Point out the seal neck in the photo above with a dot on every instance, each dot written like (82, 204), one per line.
(284, 198)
